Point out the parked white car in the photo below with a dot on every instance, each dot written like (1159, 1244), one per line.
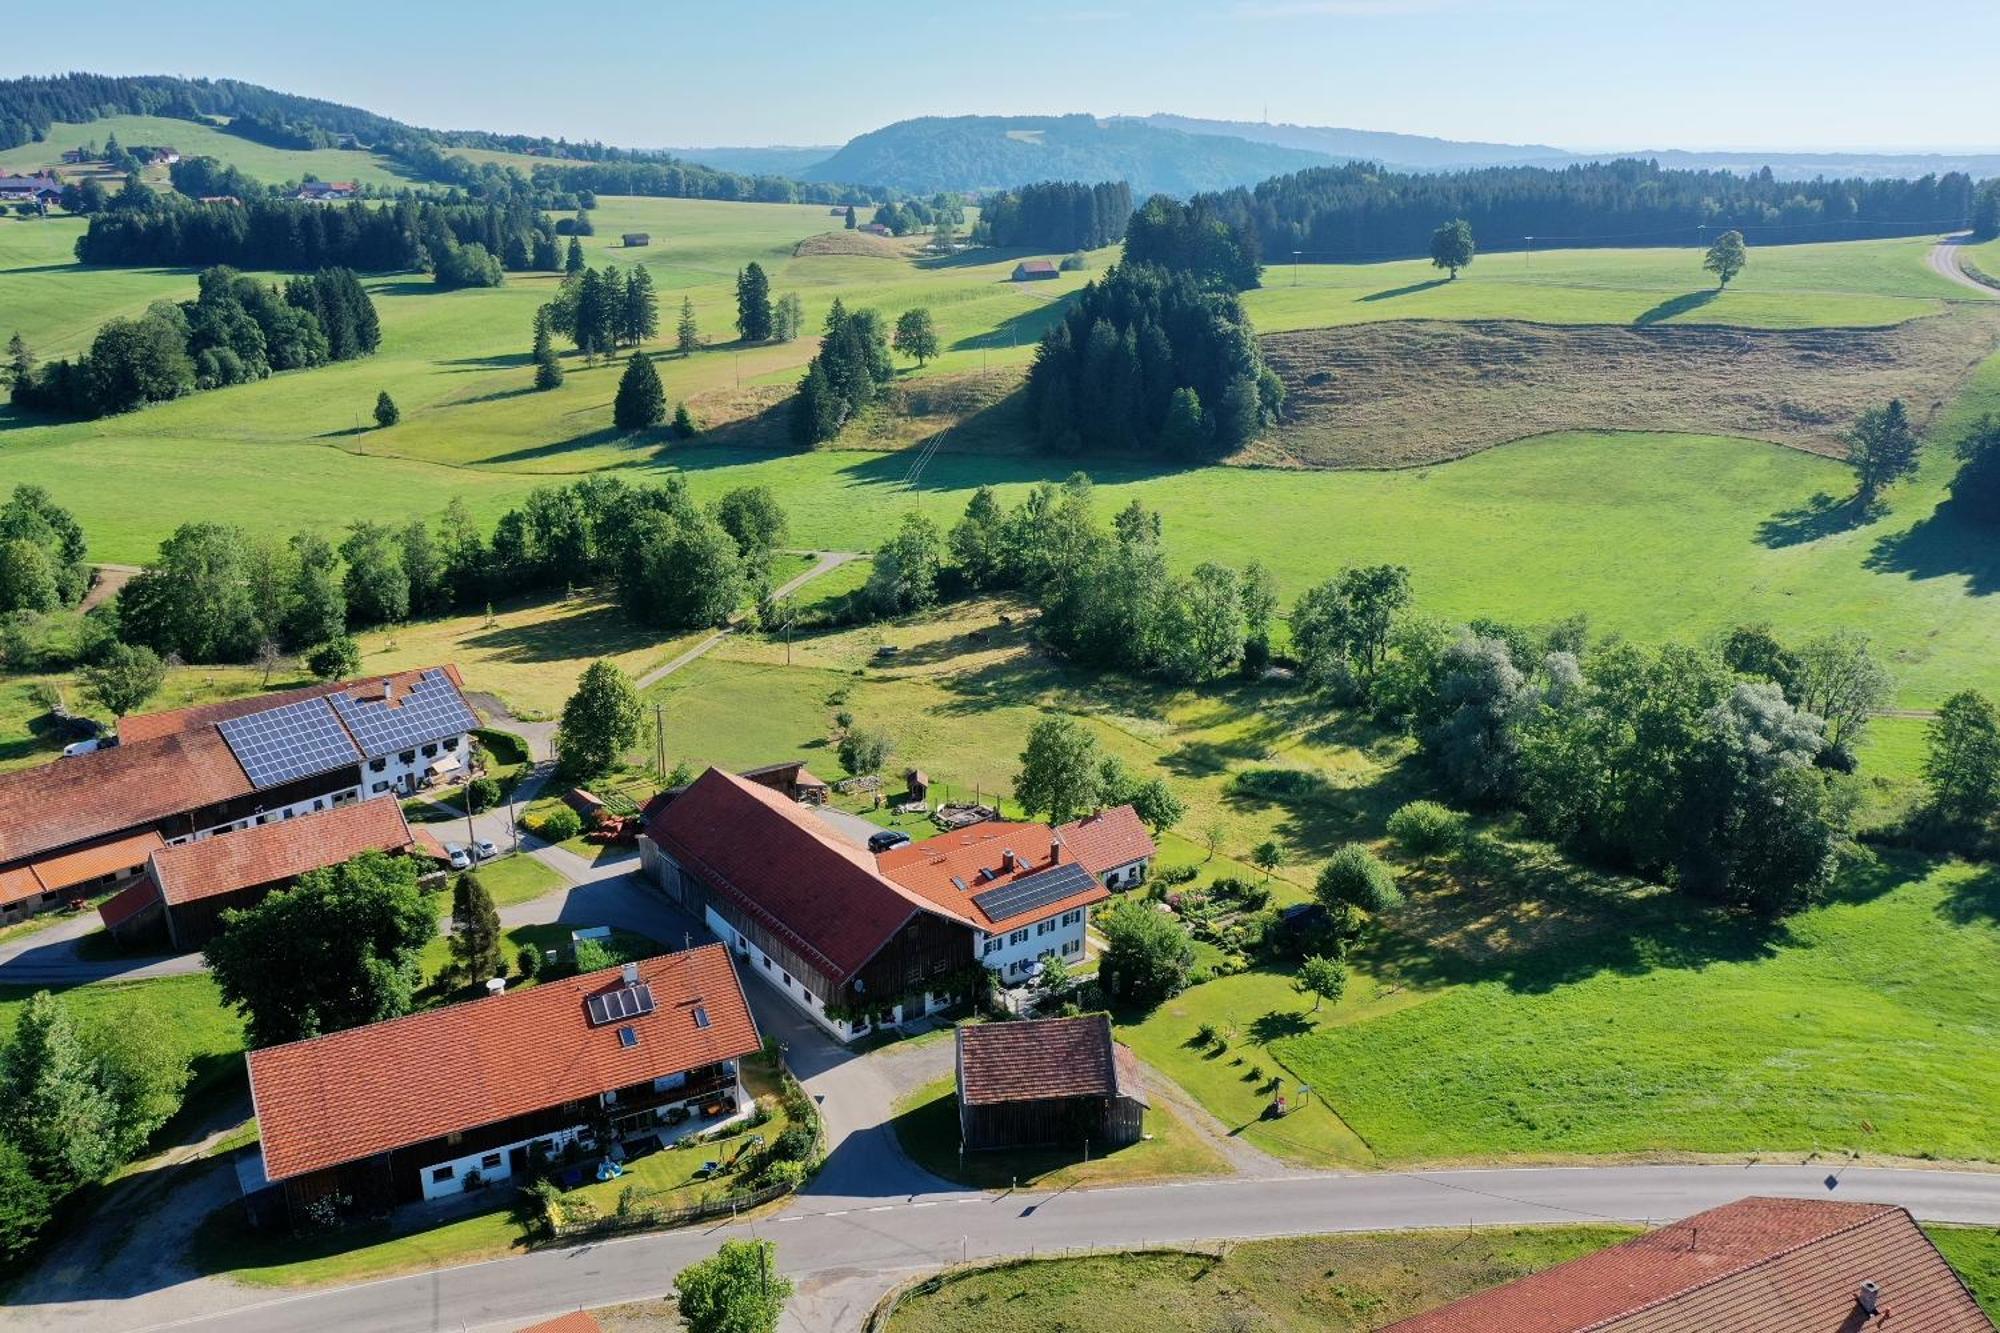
(484, 850)
(459, 859)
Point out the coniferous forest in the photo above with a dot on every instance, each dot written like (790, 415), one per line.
(1056, 215)
(1360, 211)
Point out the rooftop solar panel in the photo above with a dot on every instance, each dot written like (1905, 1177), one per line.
(292, 741)
(615, 1006)
(1037, 890)
(430, 710)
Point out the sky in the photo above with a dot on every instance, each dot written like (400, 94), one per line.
(1584, 74)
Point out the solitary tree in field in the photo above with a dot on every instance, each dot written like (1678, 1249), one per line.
(916, 335)
(1962, 768)
(851, 220)
(1323, 979)
(1882, 448)
(386, 412)
(599, 722)
(573, 260)
(687, 334)
(548, 367)
(1726, 257)
(1266, 857)
(753, 304)
(126, 677)
(1059, 773)
(1452, 247)
(641, 401)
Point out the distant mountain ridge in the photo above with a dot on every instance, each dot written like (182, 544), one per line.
(775, 160)
(1416, 151)
(969, 153)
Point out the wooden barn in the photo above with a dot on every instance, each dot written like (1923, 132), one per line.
(1051, 1082)
(1035, 270)
(637, 238)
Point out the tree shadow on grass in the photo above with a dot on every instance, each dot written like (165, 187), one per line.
(1975, 900)
(1269, 1027)
(645, 441)
(1945, 544)
(1821, 516)
(596, 629)
(1676, 305)
(1391, 293)
(1024, 329)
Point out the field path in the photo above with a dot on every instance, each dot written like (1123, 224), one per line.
(105, 586)
(828, 560)
(1944, 261)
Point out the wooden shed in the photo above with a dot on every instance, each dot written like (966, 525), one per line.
(1047, 1083)
(637, 238)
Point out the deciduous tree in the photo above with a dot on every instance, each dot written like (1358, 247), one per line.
(1726, 257)
(1452, 246)
(735, 1290)
(1882, 449)
(1147, 955)
(916, 335)
(1059, 773)
(1962, 765)
(1322, 978)
(124, 677)
(599, 723)
(1356, 876)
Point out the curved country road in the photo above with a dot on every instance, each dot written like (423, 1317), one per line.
(888, 1236)
(1943, 259)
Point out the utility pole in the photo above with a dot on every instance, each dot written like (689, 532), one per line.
(1528, 255)
(660, 739)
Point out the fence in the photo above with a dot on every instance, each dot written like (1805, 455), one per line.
(797, 1105)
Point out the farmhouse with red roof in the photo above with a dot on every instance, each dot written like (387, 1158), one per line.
(855, 939)
(449, 1099)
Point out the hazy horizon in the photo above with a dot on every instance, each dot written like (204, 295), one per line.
(1702, 75)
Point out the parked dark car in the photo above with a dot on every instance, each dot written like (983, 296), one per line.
(887, 840)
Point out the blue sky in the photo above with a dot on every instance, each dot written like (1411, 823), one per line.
(1573, 73)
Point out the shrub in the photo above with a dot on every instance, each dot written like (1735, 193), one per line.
(1205, 1035)
(785, 1171)
(1074, 262)
(1175, 875)
(794, 1145)
(559, 825)
(482, 794)
(1356, 877)
(528, 962)
(1425, 828)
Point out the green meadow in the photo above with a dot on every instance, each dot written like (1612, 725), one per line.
(1652, 535)
(271, 166)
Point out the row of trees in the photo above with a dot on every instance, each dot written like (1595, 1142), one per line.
(271, 233)
(601, 310)
(1152, 360)
(236, 330)
(1360, 210)
(1055, 215)
(79, 1097)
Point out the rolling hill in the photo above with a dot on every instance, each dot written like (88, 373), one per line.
(994, 152)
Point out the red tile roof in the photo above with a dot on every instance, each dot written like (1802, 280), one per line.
(974, 857)
(129, 902)
(144, 726)
(96, 861)
(1045, 1058)
(1757, 1264)
(782, 865)
(16, 885)
(126, 787)
(286, 849)
(1109, 839)
(389, 1085)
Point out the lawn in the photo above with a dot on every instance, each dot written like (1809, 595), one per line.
(1861, 1026)
(517, 879)
(267, 165)
(1975, 1253)
(1321, 1284)
(927, 1127)
(210, 1033)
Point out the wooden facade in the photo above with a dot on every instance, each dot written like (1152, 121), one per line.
(1067, 1122)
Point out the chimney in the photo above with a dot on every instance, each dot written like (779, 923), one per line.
(1869, 1298)
(1007, 859)
(496, 985)
(1055, 851)
(388, 690)
(631, 974)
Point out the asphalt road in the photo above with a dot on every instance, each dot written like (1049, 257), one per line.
(1943, 259)
(897, 1234)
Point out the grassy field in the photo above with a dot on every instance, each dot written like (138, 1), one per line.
(1652, 535)
(1325, 1284)
(1975, 1253)
(927, 1127)
(269, 166)
(1784, 286)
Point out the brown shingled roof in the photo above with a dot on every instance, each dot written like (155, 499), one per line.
(1044, 1058)
(936, 867)
(1757, 1264)
(389, 1085)
(90, 796)
(285, 849)
(784, 866)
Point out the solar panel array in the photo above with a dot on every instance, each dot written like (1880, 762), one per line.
(292, 741)
(615, 1006)
(1039, 890)
(430, 711)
